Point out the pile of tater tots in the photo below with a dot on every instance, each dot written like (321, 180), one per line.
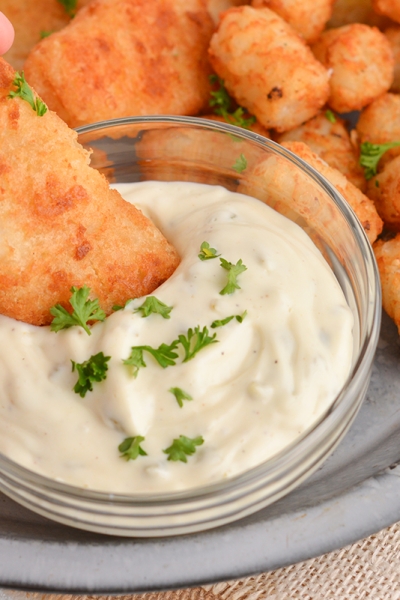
(292, 70)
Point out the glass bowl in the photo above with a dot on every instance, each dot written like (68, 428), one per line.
(198, 150)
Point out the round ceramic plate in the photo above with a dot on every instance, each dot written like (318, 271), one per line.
(355, 493)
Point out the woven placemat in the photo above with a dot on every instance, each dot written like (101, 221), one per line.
(369, 568)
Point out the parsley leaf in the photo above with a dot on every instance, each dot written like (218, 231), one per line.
(240, 164)
(84, 310)
(330, 116)
(45, 34)
(206, 253)
(130, 448)
(180, 395)
(120, 307)
(92, 370)
(195, 340)
(222, 322)
(221, 103)
(153, 305)
(233, 273)
(165, 356)
(69, 6)
(371, 155)
(24, 91)
(182, 447)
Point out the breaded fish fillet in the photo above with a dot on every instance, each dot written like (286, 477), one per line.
(61, 225)
(120, 58)
(32, 20)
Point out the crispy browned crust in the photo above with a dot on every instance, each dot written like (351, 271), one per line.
(387, 254)
(61, 225)
(156, 64)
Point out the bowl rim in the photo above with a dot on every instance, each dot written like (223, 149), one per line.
(256, 476)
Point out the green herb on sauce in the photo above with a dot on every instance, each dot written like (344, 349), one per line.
(84, 310)
(180, 395)
(153, 305)
(233, 272)
(130, 448)
(182, 447)
(195, 340)
(206, 253)
(92, 370)
(222, 322)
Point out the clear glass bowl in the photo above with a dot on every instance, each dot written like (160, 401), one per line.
(198, 150)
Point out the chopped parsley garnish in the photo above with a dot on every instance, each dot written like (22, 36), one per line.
(195, 340)
(45, 34)
(222, 322)
(233, 273)
(130, 448)
(330, 116)
(153, 305)
(206, 253)
(165, 356)
(69, 6)
(120, 307)
(371, 155)
(180, 395)
(221, 103)
(240, 164)
(84, 310)
(182, 447)
(24, 91)
(92, 370)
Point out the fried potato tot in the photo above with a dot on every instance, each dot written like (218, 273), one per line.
(362, 65)
(62, 226)
(362, 206)
(388, 8)
(379, 123)
(384, 190)
(393, 36)
(331, 141)
(31, 22)
(387, 254)
(157, 64)
(307, 17)
(356, 11)
(268, 68)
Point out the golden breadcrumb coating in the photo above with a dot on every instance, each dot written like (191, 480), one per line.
(268, 68)
(307, 17)
(362, 206)
(156, 63)
(387, 254)
(31, 20)
(331, 141)
(361, 64)
(61, 225)
(384, 190)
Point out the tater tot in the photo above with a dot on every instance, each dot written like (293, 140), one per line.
(379, 123)
(362, 206)
(361, 62)
(389, 8)
(307, 17)
(268, 68)
(331, 141)
(393, 35)
(384, 190)
(356, 11)
(156, 63)
(387, 254)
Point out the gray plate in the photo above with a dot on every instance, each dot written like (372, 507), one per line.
(354, 494)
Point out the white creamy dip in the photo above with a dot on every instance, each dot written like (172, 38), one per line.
(266, 380)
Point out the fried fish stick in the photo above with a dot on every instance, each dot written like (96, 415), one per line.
(362, 206)
(32, 21)
(61, 225)
(121, 58)
(328, 137)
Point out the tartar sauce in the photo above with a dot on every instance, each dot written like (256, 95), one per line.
(266, 380)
